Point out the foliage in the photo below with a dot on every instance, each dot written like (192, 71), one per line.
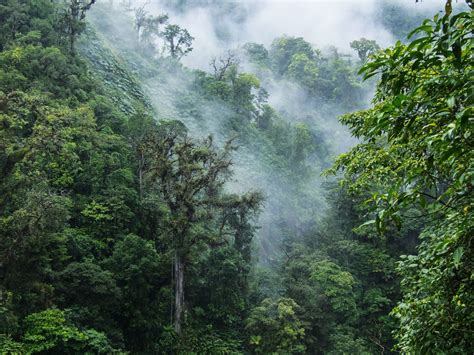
(49, 331)
(189, 176)
(140, 273)
(18, 18)
(303, 70)
(326, 78)
(178, 41)
(364, 48)
(275, 328)
(109, 215)
(71, 21)
(9, 346)
(417, 151)
(283, 50)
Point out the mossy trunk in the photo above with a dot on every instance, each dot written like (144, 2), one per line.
(179, 292)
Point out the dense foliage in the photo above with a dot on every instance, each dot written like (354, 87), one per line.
(86, 226)
(122, 229)
(416, 161)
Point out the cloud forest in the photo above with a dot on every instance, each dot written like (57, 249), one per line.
(236, 177)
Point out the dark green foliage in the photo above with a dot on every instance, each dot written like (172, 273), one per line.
(71, 194)
(142, 275)
(120, 233)
(50, 332)
(275, 328)
(32, 66)
(416, 161)
(345, 280)
(94, 294)
(327, 79)
(17, 18)
(188, 175)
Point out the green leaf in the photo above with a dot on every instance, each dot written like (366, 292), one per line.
(451, 101)
(368, 223)
(424, 28)
(457, 255)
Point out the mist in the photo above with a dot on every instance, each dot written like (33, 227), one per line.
(320, 22)
(236, 177)
(218, 27)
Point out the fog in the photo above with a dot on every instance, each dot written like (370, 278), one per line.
(320, 22)
(219, 26)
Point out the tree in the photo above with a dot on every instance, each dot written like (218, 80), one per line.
(15, 20)
(43, 146)
(189, 174)
(49, 331)
(364, 47)
(151, 27)
(94, 295)
(73, 20)
(141, 273)
(147, 26)
(221, 287)
(140, 19)
(325, 293)
(221, 66)
(243, 96)
(303, 70)
(275, 328)
(177, 40)
(256, 52)
(417, 153)
(284, 48)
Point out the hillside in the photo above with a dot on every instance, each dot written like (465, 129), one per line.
(281, 200)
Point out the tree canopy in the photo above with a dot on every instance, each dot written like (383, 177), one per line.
(127, 227)
(417, 153)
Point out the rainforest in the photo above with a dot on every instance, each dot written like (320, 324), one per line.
(236, 177)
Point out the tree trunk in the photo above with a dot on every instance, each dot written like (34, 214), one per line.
(179, 292)
(141, 165)
(72, 40)
(73, 23)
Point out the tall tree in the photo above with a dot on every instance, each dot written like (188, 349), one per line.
(140, 19)
(177, 40)
(189, 175)
(151, 28)
(73, 19)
